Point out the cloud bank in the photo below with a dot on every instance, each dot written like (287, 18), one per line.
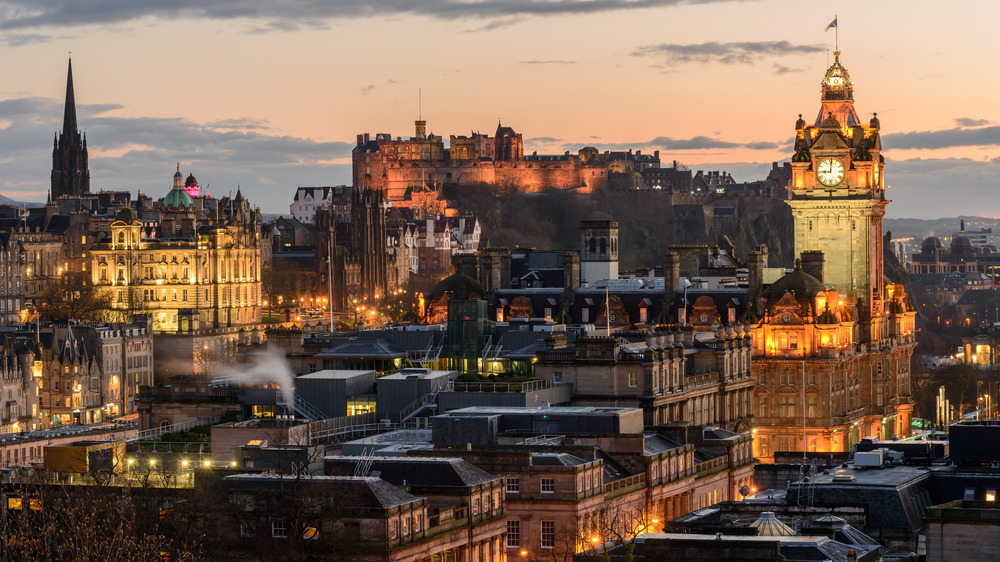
(745, 52)
(288, 15)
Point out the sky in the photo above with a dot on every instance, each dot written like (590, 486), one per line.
(268, 95)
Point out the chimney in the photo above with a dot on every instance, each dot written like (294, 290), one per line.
(812, 263)
(756, 262)
(962, 225)
(571, 271)
(671, 275)
(361, 140)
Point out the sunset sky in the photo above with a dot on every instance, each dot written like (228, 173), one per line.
(270, 95)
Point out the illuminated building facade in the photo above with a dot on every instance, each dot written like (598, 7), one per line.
(833, 343)
(198, 271)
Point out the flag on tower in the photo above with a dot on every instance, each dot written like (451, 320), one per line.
(833, 24)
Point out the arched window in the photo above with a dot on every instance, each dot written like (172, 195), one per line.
(604, 245)
(783, 340)
(593, 244)
(121, 238)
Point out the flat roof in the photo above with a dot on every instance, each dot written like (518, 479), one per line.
(553, 410)
(338, 374)
(890, 477)
(406, 374)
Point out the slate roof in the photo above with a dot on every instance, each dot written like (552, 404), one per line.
(556, 459)
(368, 493)
(654, 444)
(428, 472)
(366, 348)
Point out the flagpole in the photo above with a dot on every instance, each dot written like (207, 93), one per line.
(836, 32)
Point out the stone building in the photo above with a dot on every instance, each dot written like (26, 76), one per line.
(833, 339)
(576, 474)
(396, 166)
(20, 376)
(12, 266)
(699, 379)
(200, 270)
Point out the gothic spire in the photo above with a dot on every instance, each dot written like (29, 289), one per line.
(69, 114)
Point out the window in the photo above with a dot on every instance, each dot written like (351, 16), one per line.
(279, 529)
(406, 526)
(394, 530)
(247, 529)
(786, 443)
(513, 534)
(762, 405)
(787, 406)
(557, 377)
(475, 506)
(548, 485)
(991, 494)
(970, 493)
(548, 534)
(762, 444)
(812, 406)
(418, 523)
(633, 379)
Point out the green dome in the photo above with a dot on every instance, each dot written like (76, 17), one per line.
(177, 199)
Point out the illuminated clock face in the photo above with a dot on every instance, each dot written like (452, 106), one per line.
(830, 172)
(835, 81)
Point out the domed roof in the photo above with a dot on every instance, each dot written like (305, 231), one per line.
(830, 122)
(930, 244)
(177, 199)
(803, 285)
(125, 215)
(961, 245)
(190, 180)
(458, 285)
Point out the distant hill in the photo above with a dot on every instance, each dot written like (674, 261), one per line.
(4, 200)
(922, 228)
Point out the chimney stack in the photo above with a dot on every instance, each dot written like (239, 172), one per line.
(812, 263)
(671, 275)
(756, 262)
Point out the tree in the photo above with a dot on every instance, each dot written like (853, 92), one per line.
(76, 299)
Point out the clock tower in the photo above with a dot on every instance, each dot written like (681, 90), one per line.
(838, 199)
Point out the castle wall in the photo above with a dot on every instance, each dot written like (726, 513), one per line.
(382, 171)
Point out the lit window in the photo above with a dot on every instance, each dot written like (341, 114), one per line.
(633, 379)
(991, 495)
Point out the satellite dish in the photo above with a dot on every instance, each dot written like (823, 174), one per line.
(744, 491)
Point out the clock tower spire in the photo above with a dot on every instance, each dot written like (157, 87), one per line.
(838, 199)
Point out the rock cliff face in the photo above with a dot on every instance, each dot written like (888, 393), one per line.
(649, 221)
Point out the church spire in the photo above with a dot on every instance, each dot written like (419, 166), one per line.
(69, 113)
(70, 173)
